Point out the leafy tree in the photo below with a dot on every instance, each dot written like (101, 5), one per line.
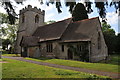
(8, 32)
(4, 18)
(109, 36)
(79, 13)
(118, 43)
(5, 43)
(49, 22)
(100, 5)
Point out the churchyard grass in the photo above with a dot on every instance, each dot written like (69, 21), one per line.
(19, 69)
(12, 55)
(110, 66)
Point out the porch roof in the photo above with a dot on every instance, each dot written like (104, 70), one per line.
(29, 41)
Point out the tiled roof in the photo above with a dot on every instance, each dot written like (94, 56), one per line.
(80, 30)
(52, 31)
(64, 31)
(29, 41)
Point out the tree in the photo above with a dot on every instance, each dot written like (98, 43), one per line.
(118, 43)
(100, 5)
(49, 22)
(8, 32)
(4, 18)
(5, 43)
(79, 13)
(110, 37)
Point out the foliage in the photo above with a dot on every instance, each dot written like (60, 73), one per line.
(19, 69)
(101, 8)
(114, 59)
(5, 43)
(117, 44)
(3, 18)
(83, 55)
(49, 22)
(109, 36)
(10, 9)
(79, 12)
(8, 32)
(110, 67)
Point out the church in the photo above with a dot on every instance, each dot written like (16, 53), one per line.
(81, 40)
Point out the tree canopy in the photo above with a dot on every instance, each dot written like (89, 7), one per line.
(99, 5)
(110, 38)
(8, 32)
(79, 13)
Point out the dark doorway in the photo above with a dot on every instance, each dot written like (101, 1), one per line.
(70, 54)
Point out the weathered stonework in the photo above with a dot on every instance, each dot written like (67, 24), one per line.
(28, 26)
(83, 37)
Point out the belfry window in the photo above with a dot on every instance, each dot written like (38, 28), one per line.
(36, 19)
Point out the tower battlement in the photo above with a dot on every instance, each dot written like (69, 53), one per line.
(35, 9)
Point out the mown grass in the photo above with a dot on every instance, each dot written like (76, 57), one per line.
(111, 66)
(20, 69)
(5, 53)
(115, 59)
(12, 55)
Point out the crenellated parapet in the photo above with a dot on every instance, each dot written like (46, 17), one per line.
(35, 9)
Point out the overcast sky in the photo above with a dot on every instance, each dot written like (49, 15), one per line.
(52, 14)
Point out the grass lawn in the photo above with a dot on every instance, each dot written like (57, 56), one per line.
(13, 55)
(20, 69)
(115, 59)
(111, 66)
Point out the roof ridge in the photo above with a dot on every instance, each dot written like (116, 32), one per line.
(86, 19)
(58, 21)
(66, 28)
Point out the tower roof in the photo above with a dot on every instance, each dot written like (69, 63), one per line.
(29, 8)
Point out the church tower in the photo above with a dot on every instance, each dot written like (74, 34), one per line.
(29, 20)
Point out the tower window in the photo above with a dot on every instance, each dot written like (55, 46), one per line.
(23, 18)
(36, 19)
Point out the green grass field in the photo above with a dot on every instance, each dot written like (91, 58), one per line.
(20, 69)
(111, 66)
(12, 55)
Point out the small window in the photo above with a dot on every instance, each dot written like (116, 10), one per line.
(79, 47)
(36, 19)
(23, 18)
(99, 41)
(62, 47)
(49, 47)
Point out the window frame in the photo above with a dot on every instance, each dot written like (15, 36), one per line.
(99, 40)
(49, 47)
(62, 48)
(37, 18)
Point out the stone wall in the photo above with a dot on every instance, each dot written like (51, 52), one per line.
(28, 26)
(98, 54)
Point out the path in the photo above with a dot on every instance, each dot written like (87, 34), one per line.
(110, 74)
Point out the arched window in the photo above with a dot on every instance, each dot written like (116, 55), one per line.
(23, 18)
(36, 19)
(49, 47)
(99, 40)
